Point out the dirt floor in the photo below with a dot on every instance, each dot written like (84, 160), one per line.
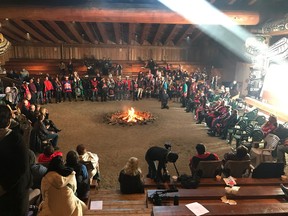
(82, 123)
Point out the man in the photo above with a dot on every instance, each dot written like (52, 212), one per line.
(48, 87)
(164, 100)
(163, 156)
(15, 176)
(201, 155)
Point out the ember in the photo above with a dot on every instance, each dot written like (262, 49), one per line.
(130, 117)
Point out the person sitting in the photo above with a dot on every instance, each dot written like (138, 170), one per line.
(240, 154)
(164, 100)
(15, 177)
(86, 156)
(37, 170)
(163, 156)
(83, 186)
(48, 154)
(130, 177)
(49, 123)
(58, 189)
(43, 133)
(270, 125)
(201, 155)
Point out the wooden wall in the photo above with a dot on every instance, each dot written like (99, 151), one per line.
(114, 52)
(6, 56)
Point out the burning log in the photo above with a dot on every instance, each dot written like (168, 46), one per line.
(130, 117)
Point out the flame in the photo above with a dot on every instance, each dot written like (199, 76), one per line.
(132, 116)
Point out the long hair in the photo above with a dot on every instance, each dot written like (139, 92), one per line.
(131, 167)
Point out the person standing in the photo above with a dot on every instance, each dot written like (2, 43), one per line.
(164, 100)
(15, 179)
(48, 87)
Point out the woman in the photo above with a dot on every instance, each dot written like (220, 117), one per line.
(86, 156)
(58, 189)
(83, 187)
(130, 178)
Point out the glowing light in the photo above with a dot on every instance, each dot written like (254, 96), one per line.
(132, 117)
(213, 22)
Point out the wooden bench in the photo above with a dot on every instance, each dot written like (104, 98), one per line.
(150, 183)
(115, 203)
(215, 193)
(225, 209)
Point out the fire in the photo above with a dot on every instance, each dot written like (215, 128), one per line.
(132, 116)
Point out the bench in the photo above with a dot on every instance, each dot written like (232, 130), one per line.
(215, 193)
(115, 203)
(225, 209)
(150, 183)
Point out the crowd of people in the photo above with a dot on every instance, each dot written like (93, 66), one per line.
(66, 183)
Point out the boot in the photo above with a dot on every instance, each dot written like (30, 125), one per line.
(284, 189)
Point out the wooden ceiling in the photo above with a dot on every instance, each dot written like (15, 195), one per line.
(124, 22)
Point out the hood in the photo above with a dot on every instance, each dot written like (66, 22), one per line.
(59, 181)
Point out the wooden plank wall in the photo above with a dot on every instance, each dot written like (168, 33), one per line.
(6, 56)
(114, 52)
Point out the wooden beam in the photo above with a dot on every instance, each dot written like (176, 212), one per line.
(171, 34)
(132, 33)
(196, 36)
(9, 25)
(189, 30)
(60, 31)
(145, 32)
(38, 25)
(88, 31)
(102, 31)
(158, 34)
(75, 33)
(31, 31)
(13, 36)
(212, 1)
(116, 28)
(125, 15)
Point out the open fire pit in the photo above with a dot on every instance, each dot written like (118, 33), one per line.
(129, 117)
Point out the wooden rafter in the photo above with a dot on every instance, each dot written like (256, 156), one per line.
(189, 30)
(145, 32)
(60, 31)
(196, 36)
(158, 33)
(212, 1)
(31, 31)
(102, 31)
(130, 15)
(11, 35)
(75, 33)
(131, 35)
(38, 25)
(88, 31)
(171, 34)
(116, 28)
(12, 28)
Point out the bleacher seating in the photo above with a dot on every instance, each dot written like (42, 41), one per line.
(40, 67)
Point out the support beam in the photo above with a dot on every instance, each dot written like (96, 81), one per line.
(231, 2)
(189, 30)
(75, 33)
(171, 34)
(145, 33)
(132, 33)
(60, 31)
(252, 2)
(38, 25)
(9, 26)
(196, 36)
(88, 31)
(158, 34)
(130, 15)
(116, 27)
(8, 34)
(102, 31)
(31, 31)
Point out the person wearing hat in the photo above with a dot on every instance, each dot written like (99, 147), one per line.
(162, 156)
